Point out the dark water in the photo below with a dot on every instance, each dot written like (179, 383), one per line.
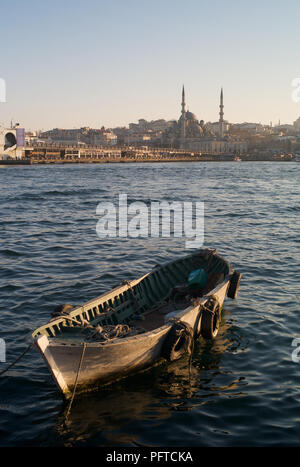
(244, 389)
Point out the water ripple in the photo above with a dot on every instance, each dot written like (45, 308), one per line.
(242, 390)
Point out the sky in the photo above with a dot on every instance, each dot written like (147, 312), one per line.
(75, 63)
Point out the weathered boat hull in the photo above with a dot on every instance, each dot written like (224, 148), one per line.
(100, 364)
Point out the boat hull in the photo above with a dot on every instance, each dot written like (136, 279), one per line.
(92, 365)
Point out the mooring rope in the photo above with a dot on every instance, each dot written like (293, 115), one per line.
(191, 359)
(17, 360)
(212, 302)
(76, 381)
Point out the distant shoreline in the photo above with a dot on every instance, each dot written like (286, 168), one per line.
(244, 158)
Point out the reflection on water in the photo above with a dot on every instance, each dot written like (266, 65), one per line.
(108, 412)
(108, 415)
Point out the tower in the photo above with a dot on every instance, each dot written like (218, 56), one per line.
(182, 129)
(221, 119)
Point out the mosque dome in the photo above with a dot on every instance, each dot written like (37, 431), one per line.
(191, 116)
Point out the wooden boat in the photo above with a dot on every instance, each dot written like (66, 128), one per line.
(137, 324)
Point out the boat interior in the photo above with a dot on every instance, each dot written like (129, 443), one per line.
(143, 304)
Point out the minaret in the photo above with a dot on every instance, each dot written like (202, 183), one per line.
(182, 129)
(221, 120)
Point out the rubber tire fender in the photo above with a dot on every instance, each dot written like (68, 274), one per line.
(210, 324)
(197, 332)
(210, 319)
(178, 341)
(234, 285)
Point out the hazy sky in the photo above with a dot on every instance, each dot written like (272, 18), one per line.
(72, 63)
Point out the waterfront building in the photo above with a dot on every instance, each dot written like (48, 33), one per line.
(12, 142)
(143, 132)
(85, 135)
(102, 137)
(144, 126)
(65, 136)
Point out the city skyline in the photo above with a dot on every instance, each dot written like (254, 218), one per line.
(112, 63)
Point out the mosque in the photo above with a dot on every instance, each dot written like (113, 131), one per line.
(189, 133)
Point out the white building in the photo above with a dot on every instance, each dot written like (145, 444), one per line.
(12, 142)
(224, 146)
(297, 124)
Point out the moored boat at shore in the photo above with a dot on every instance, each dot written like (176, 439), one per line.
(137, 324)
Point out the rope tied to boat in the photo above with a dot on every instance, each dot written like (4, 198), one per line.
(76, 381)
(188, 331)
(211, 304)
(17, 360)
